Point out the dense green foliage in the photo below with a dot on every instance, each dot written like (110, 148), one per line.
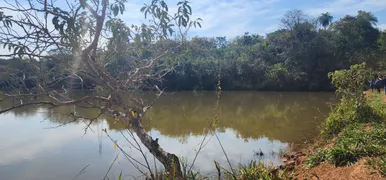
(355, 129)
(296, 57)
(348, 83)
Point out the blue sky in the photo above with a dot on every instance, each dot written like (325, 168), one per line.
(234, 17)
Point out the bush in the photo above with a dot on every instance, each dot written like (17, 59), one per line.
(341, 156)
(346, 113)
(357, 124)
(349, 83)
(316, 158)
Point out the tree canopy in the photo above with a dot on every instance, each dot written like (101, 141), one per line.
(325, 19)
(296, 57)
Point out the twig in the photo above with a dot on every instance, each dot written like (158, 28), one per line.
(202, 145)
(223, 150)
(214, 130)
(81, 171)
(130, 158)
(111, 165)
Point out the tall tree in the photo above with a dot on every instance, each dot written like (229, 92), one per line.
(325, 19)
(355, 39)
(367, 16)
(292, 18)
(382, 50)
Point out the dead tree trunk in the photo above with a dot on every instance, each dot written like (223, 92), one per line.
(170, 161)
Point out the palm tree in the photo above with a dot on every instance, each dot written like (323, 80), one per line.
(368, 16)
(325, 19)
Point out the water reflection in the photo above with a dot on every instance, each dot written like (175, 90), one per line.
(278, 116)
(249, 121)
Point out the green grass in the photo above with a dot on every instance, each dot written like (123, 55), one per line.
(378, 163)
(347, 114)
(355, 133)
(316, 158)
(256, 170)
(382, 165)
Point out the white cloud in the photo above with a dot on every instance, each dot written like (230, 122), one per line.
(382, 26)
(32, 149)
(220, 18)
(132, 15)
(32, 137)
(232, 18)
(343, 7)
(35, 18)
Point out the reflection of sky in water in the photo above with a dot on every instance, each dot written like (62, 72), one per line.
(31, 150)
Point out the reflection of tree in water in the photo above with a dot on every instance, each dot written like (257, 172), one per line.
(62, 115)
(287, 117)
(22, 111)
(250, 114)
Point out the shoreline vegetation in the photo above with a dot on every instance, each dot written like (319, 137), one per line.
(296, 57)
(352, 142)
(351, 145)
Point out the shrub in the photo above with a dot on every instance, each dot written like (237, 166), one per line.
(357, 124)
(256, 170)
(341, 156)
(349, 83)
(345, 114)
(316, 158)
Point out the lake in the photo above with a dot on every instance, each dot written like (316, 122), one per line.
(43, 144)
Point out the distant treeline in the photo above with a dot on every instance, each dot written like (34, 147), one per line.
(296, 57)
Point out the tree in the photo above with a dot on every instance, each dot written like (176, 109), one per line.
(78, 31)
(382, 50)
(249, 61)
(368, 16)
(325, 19)
(16, 73)
(355, 39)
(349, 83)
(293, 17)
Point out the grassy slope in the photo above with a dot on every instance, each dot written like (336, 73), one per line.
(352, 140)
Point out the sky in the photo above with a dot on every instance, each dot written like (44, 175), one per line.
(231, 18)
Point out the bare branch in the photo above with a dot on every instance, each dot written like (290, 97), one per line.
(27, 104)
(92, 11)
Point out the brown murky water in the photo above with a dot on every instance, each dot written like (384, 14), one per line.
(33, 147)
